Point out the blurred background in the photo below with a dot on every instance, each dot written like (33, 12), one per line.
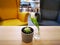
(29, 5)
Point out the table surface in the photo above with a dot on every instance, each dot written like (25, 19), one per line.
(11, 35)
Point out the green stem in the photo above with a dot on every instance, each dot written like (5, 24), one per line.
(38, 30)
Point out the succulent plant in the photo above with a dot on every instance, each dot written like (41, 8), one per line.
(27, 30)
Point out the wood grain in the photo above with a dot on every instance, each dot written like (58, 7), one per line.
(11, 35)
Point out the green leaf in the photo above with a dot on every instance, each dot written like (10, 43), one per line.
(34, 21)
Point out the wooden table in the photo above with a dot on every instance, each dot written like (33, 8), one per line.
(11, 35)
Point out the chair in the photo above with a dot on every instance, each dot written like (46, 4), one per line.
(49, 13)
(10, 14)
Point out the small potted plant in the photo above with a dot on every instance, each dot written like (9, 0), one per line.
(27, 34)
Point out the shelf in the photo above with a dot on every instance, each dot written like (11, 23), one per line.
(35, 1)
(34, 4)
(31, 1)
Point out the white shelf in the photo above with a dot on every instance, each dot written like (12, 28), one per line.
(31, 1)
(34, 1)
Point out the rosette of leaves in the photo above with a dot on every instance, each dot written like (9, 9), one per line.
(27, 30)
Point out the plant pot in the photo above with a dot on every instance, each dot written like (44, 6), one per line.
(27, 37)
